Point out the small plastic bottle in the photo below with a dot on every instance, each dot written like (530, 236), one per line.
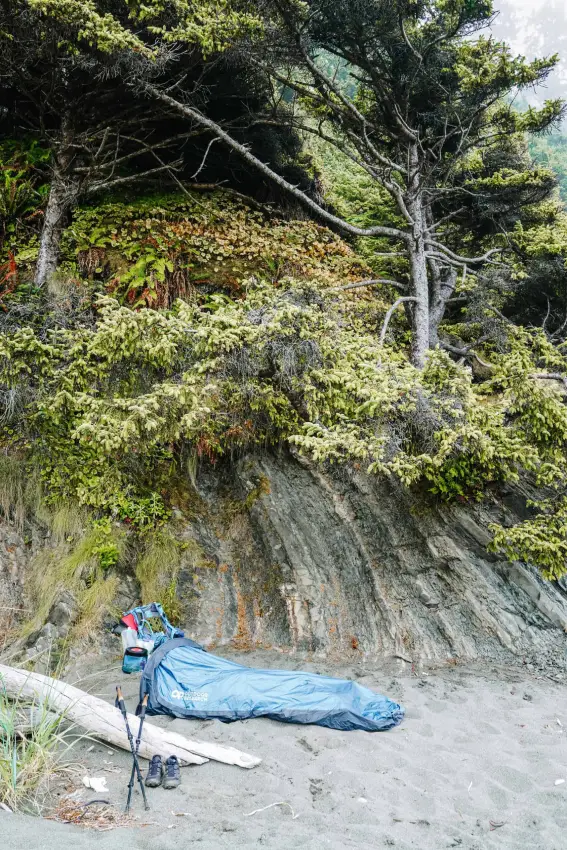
(129, 638)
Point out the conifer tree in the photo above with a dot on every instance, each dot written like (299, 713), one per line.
(432, 90)
(70, 76)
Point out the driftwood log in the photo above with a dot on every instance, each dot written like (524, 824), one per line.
(104, 721)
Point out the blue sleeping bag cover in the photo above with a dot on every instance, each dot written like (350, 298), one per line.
(182, 680)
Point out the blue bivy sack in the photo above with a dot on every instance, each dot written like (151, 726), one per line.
(183, 680)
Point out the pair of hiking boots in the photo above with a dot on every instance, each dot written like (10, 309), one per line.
(167, 775)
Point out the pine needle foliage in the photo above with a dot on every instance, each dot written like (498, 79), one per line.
(117, 405)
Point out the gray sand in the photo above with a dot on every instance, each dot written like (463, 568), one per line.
(478, 746)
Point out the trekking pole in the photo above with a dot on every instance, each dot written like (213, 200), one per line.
(141, 713)
(136, 766)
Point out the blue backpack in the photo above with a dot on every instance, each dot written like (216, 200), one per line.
(144, 613)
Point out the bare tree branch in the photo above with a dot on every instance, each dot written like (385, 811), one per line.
(552, 376)
(390, 313)
(467, 353)
(471, 261)
(145, 147)
(218, 187)
(121, 181)
(559, 330)
(415, 52)
(547, 315)
(361, 283)
(203, 163)
(500, 315)
(217, 130)
(441, 221)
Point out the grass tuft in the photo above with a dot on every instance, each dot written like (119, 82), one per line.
(20, 491)
(73, 565)
(157, 572)
(30, 759)
(95, 602)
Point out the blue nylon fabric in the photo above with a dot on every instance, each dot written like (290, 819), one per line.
(183, 680)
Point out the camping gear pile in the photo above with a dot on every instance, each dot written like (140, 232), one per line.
(181, 679)
(138, 637)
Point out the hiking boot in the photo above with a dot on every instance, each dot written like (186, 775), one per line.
(172, 776)
(154, 775)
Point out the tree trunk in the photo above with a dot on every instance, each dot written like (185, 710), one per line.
(443, 281)
(418, 272)
(420, 291)
(63, 193)
(58, 206)
(106, 722)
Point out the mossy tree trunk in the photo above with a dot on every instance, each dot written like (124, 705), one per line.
(63, 194)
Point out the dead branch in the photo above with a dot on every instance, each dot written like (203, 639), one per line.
(390, 313)
(132, 178)
(362, 283)
(245, 153)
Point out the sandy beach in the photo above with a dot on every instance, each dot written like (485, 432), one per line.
(476, 764)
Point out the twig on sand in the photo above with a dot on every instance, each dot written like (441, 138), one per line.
(255, 812)
(496, 824)
(95, 814)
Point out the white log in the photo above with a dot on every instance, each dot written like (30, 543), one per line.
(106, 722)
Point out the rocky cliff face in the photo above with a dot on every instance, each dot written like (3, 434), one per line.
(283, 555)
(344, 563)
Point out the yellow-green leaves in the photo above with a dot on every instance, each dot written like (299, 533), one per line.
(112, 409)
(541, 540)
(488, 63)
(140, 27)
(212, 24)
(92, 25)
